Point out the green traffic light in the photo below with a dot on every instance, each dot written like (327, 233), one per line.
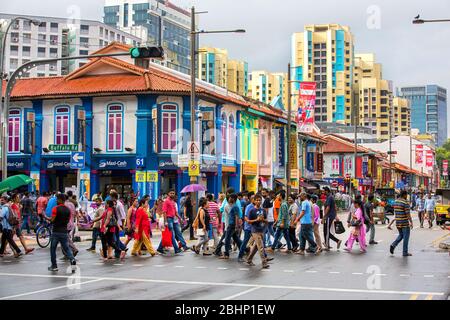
(135, 52)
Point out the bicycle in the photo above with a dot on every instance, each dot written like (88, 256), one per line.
(43, 233)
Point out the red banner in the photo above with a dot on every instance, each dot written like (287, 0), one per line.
(429, 158)
(445, 167)
(306, 104)
(419, 154)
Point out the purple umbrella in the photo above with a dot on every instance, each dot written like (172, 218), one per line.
(193, 188)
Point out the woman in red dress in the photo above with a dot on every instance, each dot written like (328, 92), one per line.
(142, 230)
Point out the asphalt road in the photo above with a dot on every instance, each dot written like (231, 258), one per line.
(331, 275)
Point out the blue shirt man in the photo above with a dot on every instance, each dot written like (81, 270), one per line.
(248, 209)
(52, 202)
(225, 203)
(307, 217)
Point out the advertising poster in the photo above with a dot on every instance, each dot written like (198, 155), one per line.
(306, 104)
(429, 158)
(419, 154)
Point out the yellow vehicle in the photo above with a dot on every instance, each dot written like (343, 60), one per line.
(442, 206)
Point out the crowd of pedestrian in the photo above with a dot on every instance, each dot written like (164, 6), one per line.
(243, 222)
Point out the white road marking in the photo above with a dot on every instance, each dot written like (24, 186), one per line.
(98, 264)
(246, 269)
(7, 261)
(221, 268)
(266, 270)
(405, 275)
(380, 241)
(200, 267)
(225, 284)
(179, 266)
(80, 263)
(311, 271)
(241, 293)
(381, 274)
(428, 276)
(289, 271)
(334, 272)
(67, 286)
(159, 265)
(118, 264)
(138, 265)
(358, 273)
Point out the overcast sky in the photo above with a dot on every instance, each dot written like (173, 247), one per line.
(410, 54)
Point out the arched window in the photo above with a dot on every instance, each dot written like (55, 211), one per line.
(225, 150)
(263, 144)
(62, 125)
(14, 130)
(169, 120)
(249, 132)
(231, 137)
(115, 127)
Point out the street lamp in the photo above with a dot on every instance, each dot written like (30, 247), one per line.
(5, 116)
(193, 73)
(417, 20)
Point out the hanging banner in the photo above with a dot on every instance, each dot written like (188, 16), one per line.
(293, 152)
(306, 104)
(419, 154)
(445, 167)
(429, 158)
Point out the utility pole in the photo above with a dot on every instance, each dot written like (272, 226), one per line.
(390, 145)
(356, 121)
(193, 104)
(288, 164)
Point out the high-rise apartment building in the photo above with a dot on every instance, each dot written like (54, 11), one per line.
(265, 86)
(56, 38)
(428, 110)
(402, 116)
(238, 77)
(324, 54)
(167, 25)
(213, 66)
(374, 96)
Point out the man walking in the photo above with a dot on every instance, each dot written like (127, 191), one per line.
(306, 226)
(247, 229)
(430, 205)
(27, 212)
(403, 222)
(368, 211)
(60, 219)
(257, 219)
(328, 219)
(169, 212)
(420, 203)
(282, 224)
(232, 226)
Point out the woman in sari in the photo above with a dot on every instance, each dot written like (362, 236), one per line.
(142, 230)
(358, 229)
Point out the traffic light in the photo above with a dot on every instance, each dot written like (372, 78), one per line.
(147, 52)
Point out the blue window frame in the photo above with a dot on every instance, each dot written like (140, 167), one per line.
(62, 125)
(169, 126)
(14, 130)
(114, 127)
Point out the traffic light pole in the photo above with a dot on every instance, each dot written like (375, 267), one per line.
(12, 81)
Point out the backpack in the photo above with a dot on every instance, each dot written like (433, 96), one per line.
(113, 220)
(13, 219)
